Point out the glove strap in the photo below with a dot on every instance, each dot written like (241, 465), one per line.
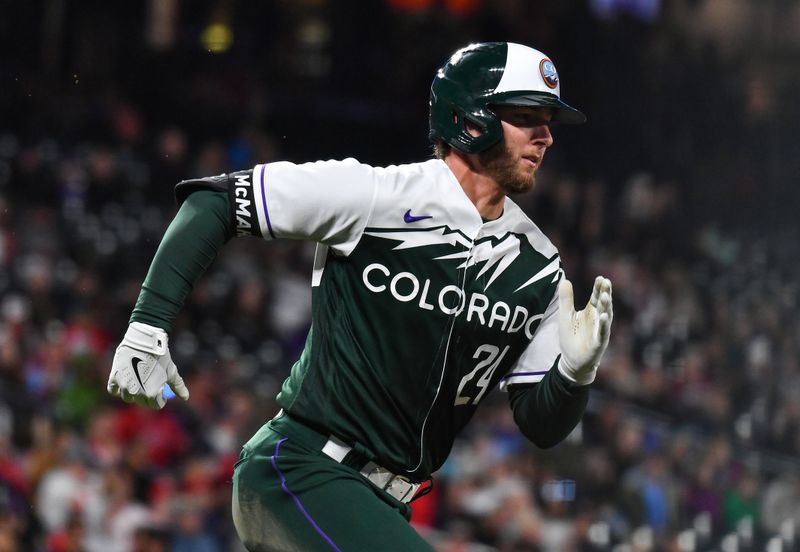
(146, 338)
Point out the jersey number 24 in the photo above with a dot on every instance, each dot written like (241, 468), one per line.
(493, 358)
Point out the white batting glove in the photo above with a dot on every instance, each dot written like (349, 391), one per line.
(583, 335)
(141, 367)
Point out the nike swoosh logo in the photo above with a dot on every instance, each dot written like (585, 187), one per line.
(135, 362)
(408, 217)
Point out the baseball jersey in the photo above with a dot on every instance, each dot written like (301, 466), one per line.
(420, 307)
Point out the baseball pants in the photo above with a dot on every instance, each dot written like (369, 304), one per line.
(289, 496)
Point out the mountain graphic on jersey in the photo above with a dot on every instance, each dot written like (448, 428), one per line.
(496, 254)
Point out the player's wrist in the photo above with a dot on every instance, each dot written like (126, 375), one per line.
(146, 338)
(578, 376)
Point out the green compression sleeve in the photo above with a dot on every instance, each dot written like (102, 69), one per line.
(548, 411)
(190, 244)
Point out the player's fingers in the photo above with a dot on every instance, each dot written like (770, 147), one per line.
(608, 290)
(604, 305)
(597, 288)
(163, 395)
(176, 383)
(180, 388)
(159, 401)
(127, 396)
(566, 301)
(604, 327)
(113, 386)
(154, 403)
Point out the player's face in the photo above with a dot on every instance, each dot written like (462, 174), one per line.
(513, 162)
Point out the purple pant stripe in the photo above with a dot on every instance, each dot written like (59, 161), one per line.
(264, 203)
(297, 500)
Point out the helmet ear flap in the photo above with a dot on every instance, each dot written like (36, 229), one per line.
(490, 131)
(458, 100)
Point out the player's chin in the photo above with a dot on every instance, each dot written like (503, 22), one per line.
(520, 185)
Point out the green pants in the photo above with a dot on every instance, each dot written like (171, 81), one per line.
(289, 496)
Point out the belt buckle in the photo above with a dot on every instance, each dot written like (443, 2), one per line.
(399, 487)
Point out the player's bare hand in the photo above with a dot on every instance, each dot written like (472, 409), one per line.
(142, 366)
(584, 335)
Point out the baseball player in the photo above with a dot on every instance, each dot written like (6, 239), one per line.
(430, 288)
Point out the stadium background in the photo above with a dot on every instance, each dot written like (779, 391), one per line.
(682, 188)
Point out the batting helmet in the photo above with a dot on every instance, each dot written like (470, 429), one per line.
(486, 74)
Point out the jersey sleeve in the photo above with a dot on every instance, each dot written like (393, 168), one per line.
(329, 202)
(541, 353)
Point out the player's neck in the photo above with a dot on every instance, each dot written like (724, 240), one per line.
(485, 194)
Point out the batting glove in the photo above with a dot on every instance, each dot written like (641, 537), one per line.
(141, 367)
(583, 335)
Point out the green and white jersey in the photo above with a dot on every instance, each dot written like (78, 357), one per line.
(420, 308)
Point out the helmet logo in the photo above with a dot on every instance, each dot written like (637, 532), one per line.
(548, 72)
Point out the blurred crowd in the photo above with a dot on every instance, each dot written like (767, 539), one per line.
(692, 436)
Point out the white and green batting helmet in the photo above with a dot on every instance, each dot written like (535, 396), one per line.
(486, 74)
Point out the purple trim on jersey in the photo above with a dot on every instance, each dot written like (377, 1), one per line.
(297, 500)
(514, 375)
(264, 202)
